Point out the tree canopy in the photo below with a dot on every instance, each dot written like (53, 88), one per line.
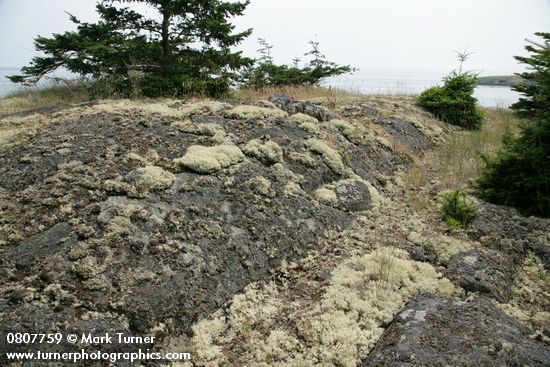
(186, 50)
(265, 73)
(536, 89)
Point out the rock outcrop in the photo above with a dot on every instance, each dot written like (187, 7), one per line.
(432, 331)
(143, 217)
(264, 233)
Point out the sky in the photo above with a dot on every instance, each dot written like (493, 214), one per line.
(367, 34)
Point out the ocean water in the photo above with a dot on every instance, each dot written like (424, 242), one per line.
(412, 82)
(6, 86)
(369, 81)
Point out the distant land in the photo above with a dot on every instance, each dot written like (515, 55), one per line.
(500, 80)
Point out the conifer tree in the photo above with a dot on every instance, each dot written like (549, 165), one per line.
(536, 88)
(265, 73)
(186, 50)
(519, 174)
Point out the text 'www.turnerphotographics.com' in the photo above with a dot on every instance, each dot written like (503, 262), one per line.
(88, 347)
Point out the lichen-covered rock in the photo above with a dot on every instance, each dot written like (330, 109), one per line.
(143, 217)
(262, 186)
(350, 195)
(361, 296)
(303, 118)
(268, 152)
(47, 243)
(433, 331)
(407, 134)
(331, 157)
(281, 100)
(287, 104)
(254, 112)
(150, 178)
(203, 159)
(502, 228)
(353, 195)
(444, 247)
(530, 300)
(485, 271)
(314, 110)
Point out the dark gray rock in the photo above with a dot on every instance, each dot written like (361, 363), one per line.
(432, 331)
(484, 271)
(504, 229)
(313, 110)
(406, 134)
(358, 111)
(281, 100)
(353, 196)
(286, 103)
(542, 250)
(55, 239)
(424, 253)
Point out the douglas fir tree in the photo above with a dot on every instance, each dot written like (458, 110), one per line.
(186, 51)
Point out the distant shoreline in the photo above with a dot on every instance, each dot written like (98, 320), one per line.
(500, 80)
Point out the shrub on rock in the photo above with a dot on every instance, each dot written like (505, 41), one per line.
(458, 211)
(454, 101)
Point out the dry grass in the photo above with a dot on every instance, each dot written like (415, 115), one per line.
(456, 162)
(330, 95)
(396, 146)
(76, 91)
(56, 93)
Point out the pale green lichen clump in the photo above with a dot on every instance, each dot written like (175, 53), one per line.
(530, 301)
(352, 131)
(203, 159)
(245, 112)
(301, 118)
(153, 178)
(215, 131)
(269, 152)
(364, 294)
(326, 195)
(293, 189)
(146, 179)
(330, 156)
(345, 127)
(262, 186)
(303, 158)
(185, 110)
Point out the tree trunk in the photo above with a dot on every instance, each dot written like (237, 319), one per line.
(165, 38)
